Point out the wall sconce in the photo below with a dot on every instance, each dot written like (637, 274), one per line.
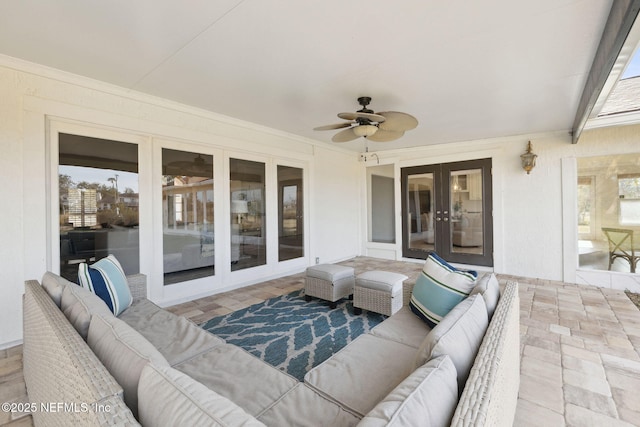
(528, 159)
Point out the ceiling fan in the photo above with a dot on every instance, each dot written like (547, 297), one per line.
(196, 167)
(380, 127)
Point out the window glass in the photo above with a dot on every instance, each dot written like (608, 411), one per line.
(247, 216)
(98, 188)
(608, 196)
(187, 216)
(290, 213)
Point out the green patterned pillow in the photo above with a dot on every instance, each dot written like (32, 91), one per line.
(439, 288)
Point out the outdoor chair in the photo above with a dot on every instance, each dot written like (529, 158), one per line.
(621, 246)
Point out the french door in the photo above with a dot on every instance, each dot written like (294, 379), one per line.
(447, 208)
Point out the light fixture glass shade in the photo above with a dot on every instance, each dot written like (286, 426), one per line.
(365, 130)
(528, 159)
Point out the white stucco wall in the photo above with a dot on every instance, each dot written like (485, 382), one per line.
(530, 237)
(34, 97)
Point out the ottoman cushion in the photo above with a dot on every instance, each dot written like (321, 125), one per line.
(381, 281)
(329, 272)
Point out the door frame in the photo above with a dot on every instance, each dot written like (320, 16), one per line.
(442, 223)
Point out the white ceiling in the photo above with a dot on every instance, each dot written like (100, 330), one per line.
(465, 69)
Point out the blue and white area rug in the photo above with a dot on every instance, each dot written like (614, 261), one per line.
(291, 334)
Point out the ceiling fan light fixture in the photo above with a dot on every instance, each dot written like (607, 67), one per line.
(365, 130)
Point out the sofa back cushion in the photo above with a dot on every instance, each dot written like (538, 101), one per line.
(439, 288)
(106, 279)
(78, 305)
(54, 285)
(459, 335)
(428, 397)
(168, 397)
(489, 288)
(124, 352)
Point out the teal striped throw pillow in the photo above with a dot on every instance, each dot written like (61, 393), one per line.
(107, 280)
(439, 288)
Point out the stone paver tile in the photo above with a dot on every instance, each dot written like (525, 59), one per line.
(621, 363)
(615, 341)
(539, 342)
(558, 329)
(586, 367)
(541, 369)
(581, 353)
(629, 416)
(623, 380)
(529, 414)
(587, 382)
(572, 341)
(627, 399)
(544, 334)
(542, 393)
(577, 416)
(590, 400)
(542, 354)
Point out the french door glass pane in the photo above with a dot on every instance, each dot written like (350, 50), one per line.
(421, 205)
(98, 187)
(290, 213)
(466, 211)
(187, 216)
(248, 218)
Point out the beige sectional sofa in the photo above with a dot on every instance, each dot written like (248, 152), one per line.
(149, 367)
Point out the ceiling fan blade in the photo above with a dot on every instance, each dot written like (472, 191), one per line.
(336, 126)
(344, 136)
(352, 116)
(396, 121)
(385, 135)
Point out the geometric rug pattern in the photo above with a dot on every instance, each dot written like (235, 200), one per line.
(292, 334)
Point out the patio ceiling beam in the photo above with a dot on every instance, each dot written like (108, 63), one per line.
(621, 18)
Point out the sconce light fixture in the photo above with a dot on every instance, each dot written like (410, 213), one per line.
(528, 159)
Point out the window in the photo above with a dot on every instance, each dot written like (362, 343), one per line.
(608, 206)
(98, 188)
(187, 218)
(290, 213)
(629, 199)
(248, 218)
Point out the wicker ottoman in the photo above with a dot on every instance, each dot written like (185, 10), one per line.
(329, 282)
(378, 291)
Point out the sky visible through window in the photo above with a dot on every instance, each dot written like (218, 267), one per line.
(633, 69)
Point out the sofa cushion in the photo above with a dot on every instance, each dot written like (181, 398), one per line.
(429, 394)
(403, 327)
(124, 352)
(78, 305)
(167, 397)
(371, 367)
(459, 335)
(240, 377)
(489, 288)
(304, 407)
(54, 285)
(106, 279)
(439, 288)
(175, 337)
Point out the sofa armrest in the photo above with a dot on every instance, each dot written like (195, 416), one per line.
(490, 395)
(407, 290)
(138, 286)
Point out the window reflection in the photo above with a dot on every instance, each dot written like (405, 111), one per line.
(187, 219)
(98, 188)
(290, 213)
(248, 233)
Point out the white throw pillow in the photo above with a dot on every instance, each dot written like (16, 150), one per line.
(489, 288)
(124, 352)
(458, 335)
(427, 397)
(168, 397)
